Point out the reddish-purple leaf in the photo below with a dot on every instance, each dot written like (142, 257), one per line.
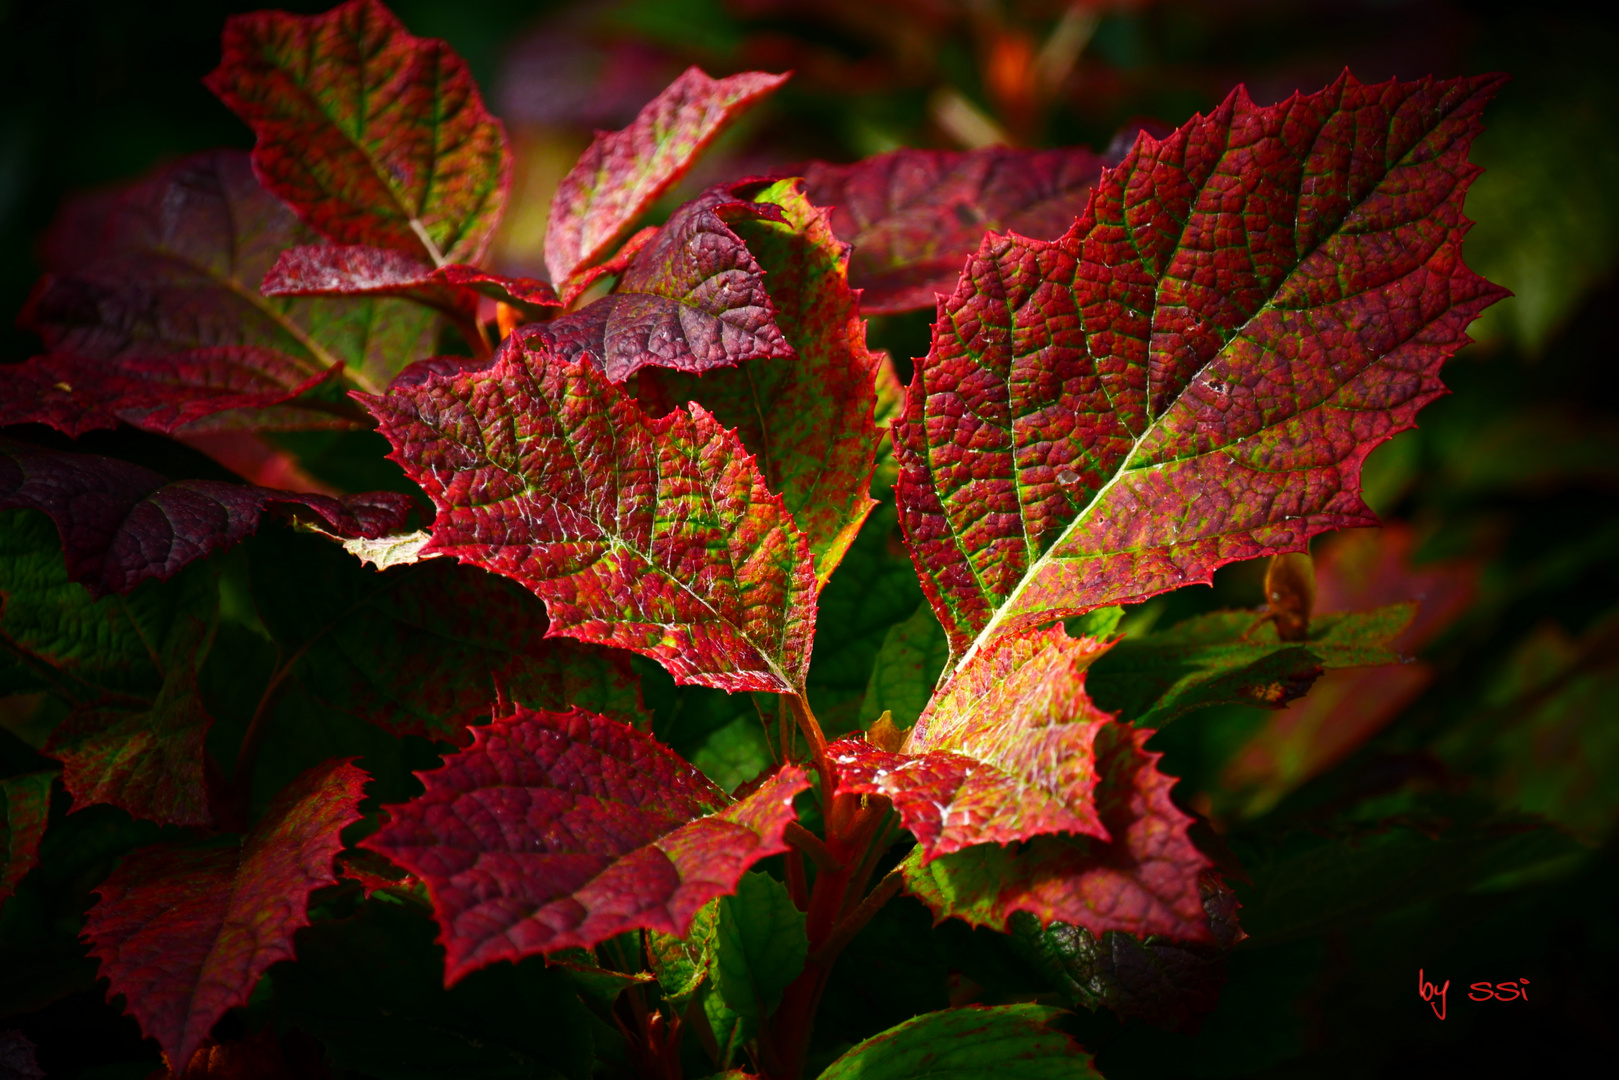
(1003, 752)
(145, 757)
(808, 421)
(558, 830)
(176, 265)
(1144, 881)
(658, 536)
(122, 524)
(693, 298)
(372, 135)
(185, 932)
(914, 216)
(358, 270)
(622, 173)
(1196, 371)
(183, 391)
(25, 802)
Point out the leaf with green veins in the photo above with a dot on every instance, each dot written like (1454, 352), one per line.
(906, 670)
(969, 1043)
(681, 964)
(177, 268)
(372, 135)
(25, 801)
(1234, 658)
(760, 946)
(1121, 411)
(623, 172)
(658, 536)
(809, 421)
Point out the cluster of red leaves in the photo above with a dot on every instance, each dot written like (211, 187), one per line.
(1184, 365)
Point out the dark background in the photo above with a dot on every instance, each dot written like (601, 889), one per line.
(1517, 472)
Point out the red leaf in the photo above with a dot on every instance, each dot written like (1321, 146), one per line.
(624, 172)
(809, 423)
(558, 830)
(184, 932)
(25, 803)
(914, 216)
(1122, 411)
(652, 535)
(163, 394)
(1003, 752)
(176, 267)
(122, 524)
(372, 135)
(1145, 881)
(693, 298)
(358, 270)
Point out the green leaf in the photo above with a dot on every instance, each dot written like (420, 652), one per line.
(25, 802)
(1232, 658)
(1009, 1042)
(736, 753)
(906, 670)
(761, 946)
(126, 667)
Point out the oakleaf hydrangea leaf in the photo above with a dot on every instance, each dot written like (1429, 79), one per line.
(914, 216)
(123, 524)
(176, 268)
(1003, 753)
(969, 1043)
(657, 536)
(372, 135)
(1195, 372)
(693, 298)
(183, 391)
(808, 421)
(1143, 881)
(557, 830)
(25, 802)
(1231, 658)
(359, 270)
(146, 757)
(623, 172)
(183, 933)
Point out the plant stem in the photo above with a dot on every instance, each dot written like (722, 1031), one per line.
(856, 920)
(812, 845)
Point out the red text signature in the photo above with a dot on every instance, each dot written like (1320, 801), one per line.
(1435, 996)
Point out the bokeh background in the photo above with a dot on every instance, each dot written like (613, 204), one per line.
(1374, 821)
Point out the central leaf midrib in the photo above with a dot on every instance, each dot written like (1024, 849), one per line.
(1126, 464)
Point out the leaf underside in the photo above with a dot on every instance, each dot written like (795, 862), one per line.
(1012, 1041)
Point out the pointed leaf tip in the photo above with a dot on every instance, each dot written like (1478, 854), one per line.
(623, 172)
